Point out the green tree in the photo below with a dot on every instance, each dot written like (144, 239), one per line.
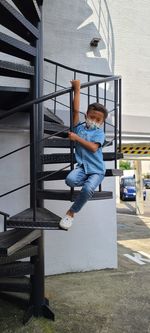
(125, 165)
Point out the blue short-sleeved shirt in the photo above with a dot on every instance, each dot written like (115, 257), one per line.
(92, 162)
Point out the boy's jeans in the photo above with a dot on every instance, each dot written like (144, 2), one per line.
(89, 183)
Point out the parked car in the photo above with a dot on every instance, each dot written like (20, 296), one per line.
(147, 183)
(128, 189)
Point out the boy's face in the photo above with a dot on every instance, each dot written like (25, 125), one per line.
(95, 116)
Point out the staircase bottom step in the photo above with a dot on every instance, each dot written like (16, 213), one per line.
(66, 195)
(27, 251)
(16, 269)
(15, 284)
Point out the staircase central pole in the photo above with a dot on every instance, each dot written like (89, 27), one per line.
(38, 303)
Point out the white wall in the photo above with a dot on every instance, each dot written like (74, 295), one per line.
(69, 27)
(124, 47)
(131, 26)
(14, 172)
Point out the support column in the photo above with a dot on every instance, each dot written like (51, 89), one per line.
(139, 188)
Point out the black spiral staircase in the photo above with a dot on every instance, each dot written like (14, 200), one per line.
(23, 233)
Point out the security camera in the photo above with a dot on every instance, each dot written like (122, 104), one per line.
(95, 41)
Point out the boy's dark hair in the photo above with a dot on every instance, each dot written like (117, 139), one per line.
(98, 107)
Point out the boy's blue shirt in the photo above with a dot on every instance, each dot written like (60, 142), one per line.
(92, 162)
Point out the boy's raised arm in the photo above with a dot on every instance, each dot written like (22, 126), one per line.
(76, 101)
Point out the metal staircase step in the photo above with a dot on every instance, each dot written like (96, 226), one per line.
(10, 96)
(16, 48)
(16, 22)
(25, 252)
(62, 174)
(66, 195)
(113, 172)
(13, 240)
(50, 116)
(56, 143)
(53, 128)
(30, 9)
(21, 284)
(60, 142)
(18, 268)
(44, 220)
(11, 69)
(66, 157)
(56, 158)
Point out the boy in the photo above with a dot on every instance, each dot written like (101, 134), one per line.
(89, 138)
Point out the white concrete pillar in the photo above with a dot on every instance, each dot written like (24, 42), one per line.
(139, 188)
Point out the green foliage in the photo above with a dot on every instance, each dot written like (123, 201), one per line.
(124, 165)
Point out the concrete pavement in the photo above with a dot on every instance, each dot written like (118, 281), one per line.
(106, 301)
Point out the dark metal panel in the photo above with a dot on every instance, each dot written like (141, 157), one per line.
(16, 48)
(16, 22)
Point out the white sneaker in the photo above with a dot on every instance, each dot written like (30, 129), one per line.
(66, 222)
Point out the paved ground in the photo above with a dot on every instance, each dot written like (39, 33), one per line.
(106, 301)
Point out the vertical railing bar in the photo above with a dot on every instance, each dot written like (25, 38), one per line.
(71, 142)
(88, 90)
(56, 73)
(97, 100)
(75, 75)
(116, 117)
(97, 93)
(104, 103)
(120, 111)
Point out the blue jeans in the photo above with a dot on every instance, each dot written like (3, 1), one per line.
(89, 183)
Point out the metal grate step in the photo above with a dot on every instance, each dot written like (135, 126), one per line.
(12, 96)
(11, 69)
(44, 220)
(13, 240)
(53, 128)
(58, 175)
(50, 116)
(61, 142)
(56, 158)
(16, 269)
(16, 48)
(30, 9)
(66, 195)
(66, 157)
(21, 284)
(25, 252)
(11, 19)
(57, 143)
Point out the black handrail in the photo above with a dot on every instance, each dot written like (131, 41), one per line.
(59, 85)
(75, 70)
(55, 94)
